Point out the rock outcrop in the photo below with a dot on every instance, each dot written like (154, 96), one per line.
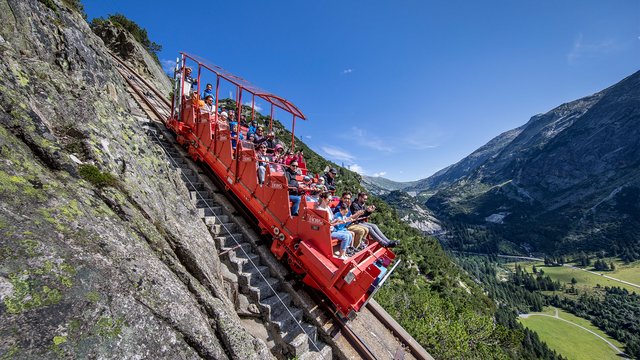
(120, 42)
(101, 255)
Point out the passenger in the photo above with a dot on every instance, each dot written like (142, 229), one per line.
(209, 106)
(329, 179)
(321, 186)
(224, 117)
(288, 158)
(279, 155)
(234, 133)
(208, 91)
(259, 135)
(294, 192)
(263, 161)
(251, 137)
(344, 236)
(309, 188)
(271, 142)
(253, 126)
(360, 232)
(374, 231)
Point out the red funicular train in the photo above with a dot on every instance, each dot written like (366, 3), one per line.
(303, 241)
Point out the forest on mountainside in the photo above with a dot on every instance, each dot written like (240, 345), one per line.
(614, 310)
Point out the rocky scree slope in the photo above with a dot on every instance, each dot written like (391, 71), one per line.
(567, 180)
(105, 259)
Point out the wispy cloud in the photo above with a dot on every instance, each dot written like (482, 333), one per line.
(582, 48)
(357, 168)
(347, 71)
(338, 154)
(168, 66)
(418, 143)
(307, 136)
(363, 138)
(379, 174)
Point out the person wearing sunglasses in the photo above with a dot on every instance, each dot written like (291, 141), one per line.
(294, 188)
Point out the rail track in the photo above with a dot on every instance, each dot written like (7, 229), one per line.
(304, 325)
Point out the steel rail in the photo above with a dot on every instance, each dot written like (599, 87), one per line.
(151, 87)
(376, 310)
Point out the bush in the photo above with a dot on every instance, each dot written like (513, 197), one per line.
(93, 175)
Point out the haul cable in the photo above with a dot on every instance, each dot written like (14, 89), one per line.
(226, 229)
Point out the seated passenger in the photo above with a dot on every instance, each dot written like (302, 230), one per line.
(253, 126)
(329, 178)
(209, 106)
(224, 117)
(321, 186)
(208, 91)
(234, 133)
(360, 232)
(271, 142)
(310, 190)
(278, 156)
(294, 192)
(339, 233)
(259, 135)
(251, 138)
(263, 161)
(374, 231)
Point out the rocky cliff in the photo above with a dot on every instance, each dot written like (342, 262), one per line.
(100, 254)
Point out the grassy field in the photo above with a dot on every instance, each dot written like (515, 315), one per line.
(630, 273)
(585, 280)
(570, 340)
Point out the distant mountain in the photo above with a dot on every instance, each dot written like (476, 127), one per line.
(567, 180)
(412, 212)
(379, 186)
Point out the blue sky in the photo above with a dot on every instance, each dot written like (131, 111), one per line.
(404, 88)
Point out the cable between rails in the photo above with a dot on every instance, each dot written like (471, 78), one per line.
(227, 231)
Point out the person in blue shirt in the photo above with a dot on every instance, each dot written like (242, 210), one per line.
(208, 91)
(234, 132)
(253, 126)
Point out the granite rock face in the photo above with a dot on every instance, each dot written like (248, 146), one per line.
(106, 259)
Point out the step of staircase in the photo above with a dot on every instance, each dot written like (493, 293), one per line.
(298, 338)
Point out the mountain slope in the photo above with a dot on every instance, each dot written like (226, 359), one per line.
(568, 180)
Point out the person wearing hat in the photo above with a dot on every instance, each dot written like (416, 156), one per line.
(329, 178)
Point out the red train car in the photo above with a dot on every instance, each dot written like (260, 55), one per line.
(303, 241)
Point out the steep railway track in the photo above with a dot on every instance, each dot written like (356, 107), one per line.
(258, 274)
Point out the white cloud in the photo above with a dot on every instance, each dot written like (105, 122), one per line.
(168, 66)
(347, 71)
(307, 136)
(357, 168)
(338, 154)
(362, 138)
(583, 49)
(379, 174)
(255, 106)
(419, 144)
